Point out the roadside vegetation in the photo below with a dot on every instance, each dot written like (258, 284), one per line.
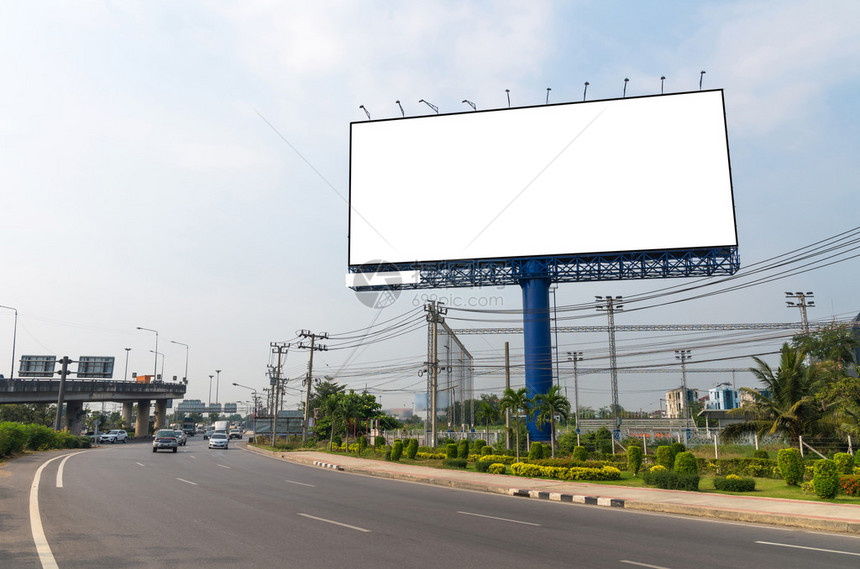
(16, 438)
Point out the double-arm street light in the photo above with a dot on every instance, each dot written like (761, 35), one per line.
(185, 377)
(162, 363)
(14, 338)
(155, 365)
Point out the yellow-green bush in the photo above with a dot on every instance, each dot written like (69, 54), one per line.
(497, 468)
(501, 458)
(430, 455)
(562, 473)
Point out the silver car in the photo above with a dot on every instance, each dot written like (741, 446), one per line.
(181, 437)
(219, 440)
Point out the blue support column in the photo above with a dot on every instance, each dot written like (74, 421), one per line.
(537, 343)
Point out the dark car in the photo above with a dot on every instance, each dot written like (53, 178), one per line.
(165, 439)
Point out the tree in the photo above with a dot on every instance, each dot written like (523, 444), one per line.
(549, 405)
(488, 413)
(322, 388)
(29, 413)
(330, 407)
(834, 342)
(518, 401)
(785, 405)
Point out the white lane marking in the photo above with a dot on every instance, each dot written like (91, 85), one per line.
(223, 466)
(356, 528)
(140, 464)
(642, 564)
(61, 468)
(192, 456)
(299, 483)
(46, 558)
(187, 481)
(500, 519)
(808, 548)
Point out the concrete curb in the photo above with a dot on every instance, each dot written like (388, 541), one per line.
(746, 516)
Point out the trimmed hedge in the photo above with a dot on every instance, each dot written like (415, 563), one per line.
(685, 463)
(498, 468)
(664, 457)
(825, 479)
(396, 451)
(634, 459)
(580, 453)
(430, 455)
(499, 458)
(734, 483)
(563, 473)
(455, 462)
(450, 450)
(412, 449)
(790, 466)
(844, 462)
(535, 451)
(483, 465)
(463, 449)
(669, 480)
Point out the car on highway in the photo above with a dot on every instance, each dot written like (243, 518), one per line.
(235, 433)
(114, 436)
(208, 433)
(165, 439)
(219, 440)
(181, 437)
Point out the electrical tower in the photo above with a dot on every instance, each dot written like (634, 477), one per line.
(610, 305)
(802, 302)
(684, 355)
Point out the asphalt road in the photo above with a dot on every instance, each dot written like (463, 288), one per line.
(123, 506)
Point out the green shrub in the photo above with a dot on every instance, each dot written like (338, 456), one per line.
(497, 468)
(451, 450)
(685, 463)
(478, 445)
(761, 453)
(449, 441)
(676, 448)
(487, 450)
(669, 480)
(580, 453)
(13, 438)
(387, 454)
(463, 449)
(734, 483)
(566, 443)
(379, 442)
(634, 459)
(483, 465)
(412, 449)
(790, 466)
(536, 451)
(40, 437)
(605, 446)
(844, 462)
(825, 479)
(664, 457)
(336, 441)
(502, 458)
(396, 451)
(454, 462)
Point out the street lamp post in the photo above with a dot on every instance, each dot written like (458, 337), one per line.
(125, 375)
(575, 357)
(155, 365)
(254, 395)
(185, 377)
(209, 402)
(217, 383)
(14, 338)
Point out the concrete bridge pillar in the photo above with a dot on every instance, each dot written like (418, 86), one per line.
(141, 426)
(127, 412)
(160, 414)
(74, 414)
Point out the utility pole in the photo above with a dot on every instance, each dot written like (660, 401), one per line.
(684, 355)
(802, 304)
(507, 386)
(575, 357)
(435, 312)
(58, 422)
(610, 305)
(275, 384)
(309, 380)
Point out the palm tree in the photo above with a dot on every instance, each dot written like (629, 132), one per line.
(549, 405)
(486, 412)
(518, 401)
(785, 405)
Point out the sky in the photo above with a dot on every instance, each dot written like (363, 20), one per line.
(184, 167)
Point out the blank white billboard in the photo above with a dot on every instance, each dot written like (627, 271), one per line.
(635, 174)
